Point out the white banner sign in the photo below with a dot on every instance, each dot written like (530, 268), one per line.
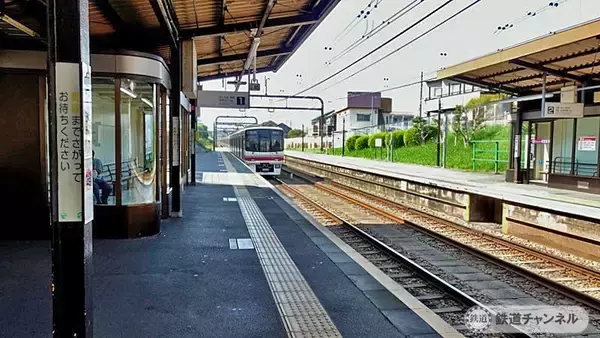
(563, 110)
(378, 143)
(586, 143)
(222, 99)
(69, 143)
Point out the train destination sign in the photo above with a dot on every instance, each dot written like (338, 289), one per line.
(223, 99)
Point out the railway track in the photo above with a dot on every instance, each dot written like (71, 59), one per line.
(572, 280)
(441, 297)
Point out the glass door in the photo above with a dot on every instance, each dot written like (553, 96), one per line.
(539, 151)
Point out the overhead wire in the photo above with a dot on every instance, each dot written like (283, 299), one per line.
(408, 43)
(440, 7)
(403, 11)
(353, 23)
(529, 15)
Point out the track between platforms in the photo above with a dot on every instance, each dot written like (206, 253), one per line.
(441, 297)
(572, 280)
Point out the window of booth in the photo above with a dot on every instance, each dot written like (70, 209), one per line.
(138, 141)
(586, 150)
(562, 146)
(103, 139)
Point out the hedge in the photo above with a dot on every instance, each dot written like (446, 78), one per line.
(398, 136)
(351, 142)
(412, 137)
(362, 142)
(372, 138)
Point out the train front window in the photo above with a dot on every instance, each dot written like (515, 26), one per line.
(276, 140)
(251, 140)
(264, 140)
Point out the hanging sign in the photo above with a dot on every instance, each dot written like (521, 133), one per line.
(586, 143)
(222, 99)
(70, 147)
(563, 110)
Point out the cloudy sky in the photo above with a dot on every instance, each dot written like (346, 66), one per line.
(472, 34)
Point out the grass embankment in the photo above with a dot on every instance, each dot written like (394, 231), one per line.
(458, 155)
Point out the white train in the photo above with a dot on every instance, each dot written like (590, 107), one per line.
(261, 148)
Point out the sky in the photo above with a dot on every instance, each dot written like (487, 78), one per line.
(472, 34)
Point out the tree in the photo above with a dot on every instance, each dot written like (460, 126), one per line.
(296, 133)
(202, 130)
(428, 131)
(477, 107)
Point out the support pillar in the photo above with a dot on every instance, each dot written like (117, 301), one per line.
(193, 142)
(70, 137)
(176, 130)
(517, 128)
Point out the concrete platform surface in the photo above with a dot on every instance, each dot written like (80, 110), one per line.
(208, 275)
(566, 201)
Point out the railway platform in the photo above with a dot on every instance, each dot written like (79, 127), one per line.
(571, 202)
(241, 263)
(560, 219)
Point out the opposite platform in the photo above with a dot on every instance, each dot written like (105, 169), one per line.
(494, 186)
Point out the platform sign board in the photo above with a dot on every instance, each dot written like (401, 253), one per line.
(539, 141)
(74, 166)
(223, 99)
(378, 143)
(586, 143)
(563, 110)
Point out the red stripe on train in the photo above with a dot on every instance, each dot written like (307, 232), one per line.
(264, 158)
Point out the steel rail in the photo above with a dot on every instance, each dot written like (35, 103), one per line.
(438, 282)
(549, 283)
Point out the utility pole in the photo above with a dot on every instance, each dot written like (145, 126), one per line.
(439, 131)
(302, 137)
(421, 107)
(343, 135)
(445, 139)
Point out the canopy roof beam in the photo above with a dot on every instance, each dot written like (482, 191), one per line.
(300, 20)
(240, 57)
(541, 68)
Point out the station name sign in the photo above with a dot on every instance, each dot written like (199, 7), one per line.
(223, 99)
(563, 110)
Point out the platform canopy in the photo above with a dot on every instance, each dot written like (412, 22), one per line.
(222, 29)
(567, 57)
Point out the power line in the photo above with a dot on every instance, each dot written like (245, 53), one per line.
(379, 47)
(408, 43)
(530, 14)
(352, 24)
(403, 11)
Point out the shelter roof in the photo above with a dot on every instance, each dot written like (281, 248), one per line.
(566, 57)
(222, 30)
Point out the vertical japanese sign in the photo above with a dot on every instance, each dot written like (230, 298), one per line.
(176, 140)
(74, 167)
(88, 196)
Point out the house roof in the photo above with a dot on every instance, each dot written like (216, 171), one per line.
(566, 56)
(221, 29)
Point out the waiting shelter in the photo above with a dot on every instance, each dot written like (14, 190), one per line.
(554, 85)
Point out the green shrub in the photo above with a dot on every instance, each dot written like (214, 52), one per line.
(430, 132)
(351, 142)
(362, 142)
(375, 136)
(398, 137)
(412, 137)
